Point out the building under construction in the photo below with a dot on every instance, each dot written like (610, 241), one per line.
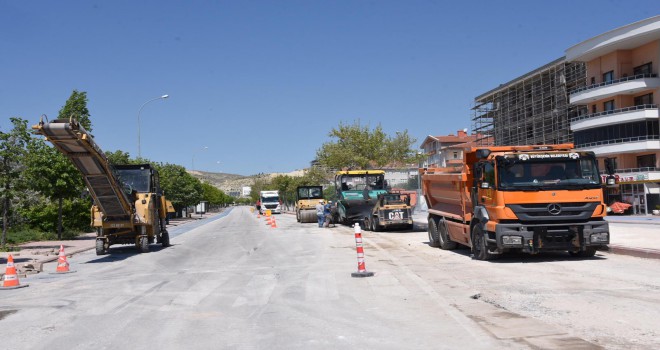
(532, 109)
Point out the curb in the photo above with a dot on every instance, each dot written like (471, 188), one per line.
(636, 252)
(39, 265)
(638, 222)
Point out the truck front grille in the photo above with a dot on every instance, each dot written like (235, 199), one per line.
(550, 212)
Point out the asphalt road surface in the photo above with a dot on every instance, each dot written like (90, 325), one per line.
(232, 282)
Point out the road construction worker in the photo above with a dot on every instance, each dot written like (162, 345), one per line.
(319, 213)
(327, 214)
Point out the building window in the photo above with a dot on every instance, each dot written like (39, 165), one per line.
(608, 105)
(609, 76)
(593, 108)
(614, 164)
(455, 155)
(618, 133)
(644, 100)
(646, 161)
(643, 69)
(593, 80)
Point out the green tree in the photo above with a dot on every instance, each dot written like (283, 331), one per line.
(119, 158)
(359, 147)
(261, 182)
(286, 185)
(179, 187)
(76, 108)
(214, 195)
(53, 175)
(12, 152)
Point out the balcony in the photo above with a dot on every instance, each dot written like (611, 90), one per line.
(616, 116)
(624, 86)
(622, 145)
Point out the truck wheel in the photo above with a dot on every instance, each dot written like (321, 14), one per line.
(366, 224)
(443, 236)
(165, 239)
(589, 252)
(100, 247)
(479, 246)
(298, 215)
(143, 244)
(433, 233)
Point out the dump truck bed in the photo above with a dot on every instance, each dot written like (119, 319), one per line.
(447, 193)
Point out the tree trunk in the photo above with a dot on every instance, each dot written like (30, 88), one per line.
(59, 219)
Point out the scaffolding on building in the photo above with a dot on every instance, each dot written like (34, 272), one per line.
(532, 109)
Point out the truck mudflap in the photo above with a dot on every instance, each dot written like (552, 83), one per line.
(546, 237)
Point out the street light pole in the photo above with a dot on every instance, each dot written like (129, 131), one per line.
(138, 119)
(193, 157)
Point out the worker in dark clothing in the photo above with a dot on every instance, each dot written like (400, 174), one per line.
(327, 213)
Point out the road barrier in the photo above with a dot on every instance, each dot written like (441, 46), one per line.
(62, 264)
(362, 269)
(10, 281)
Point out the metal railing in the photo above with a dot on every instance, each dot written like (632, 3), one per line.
(637, 170)
(614, 111)
(616, 141)
(615, 81)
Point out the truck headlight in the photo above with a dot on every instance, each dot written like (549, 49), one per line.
(511, 240)
(602, 237)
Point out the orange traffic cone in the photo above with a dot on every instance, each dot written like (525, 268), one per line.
(10, 281)
(62, 264)
(258, 215)
(273, 224)
(269, 220)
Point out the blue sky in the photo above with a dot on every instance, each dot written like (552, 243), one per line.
(261, 83)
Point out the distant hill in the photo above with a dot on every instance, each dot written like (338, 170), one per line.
(226, 182)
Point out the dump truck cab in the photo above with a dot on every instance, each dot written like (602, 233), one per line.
(270, 200)
(357, 192)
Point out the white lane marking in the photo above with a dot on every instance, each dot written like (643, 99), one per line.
(321, 286)
(258, 291)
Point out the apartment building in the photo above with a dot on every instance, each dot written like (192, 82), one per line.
(447, 151)
(617, 108)
(532, 109)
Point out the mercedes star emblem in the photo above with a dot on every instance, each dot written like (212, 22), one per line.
(554, 209)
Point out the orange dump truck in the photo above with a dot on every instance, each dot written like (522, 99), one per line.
(518, 198)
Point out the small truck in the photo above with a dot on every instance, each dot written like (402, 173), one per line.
(391, 211)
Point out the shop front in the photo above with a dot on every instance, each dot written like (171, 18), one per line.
(641, 190)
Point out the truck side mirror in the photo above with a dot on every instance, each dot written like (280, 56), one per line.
(485, 185)
(478, 171)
